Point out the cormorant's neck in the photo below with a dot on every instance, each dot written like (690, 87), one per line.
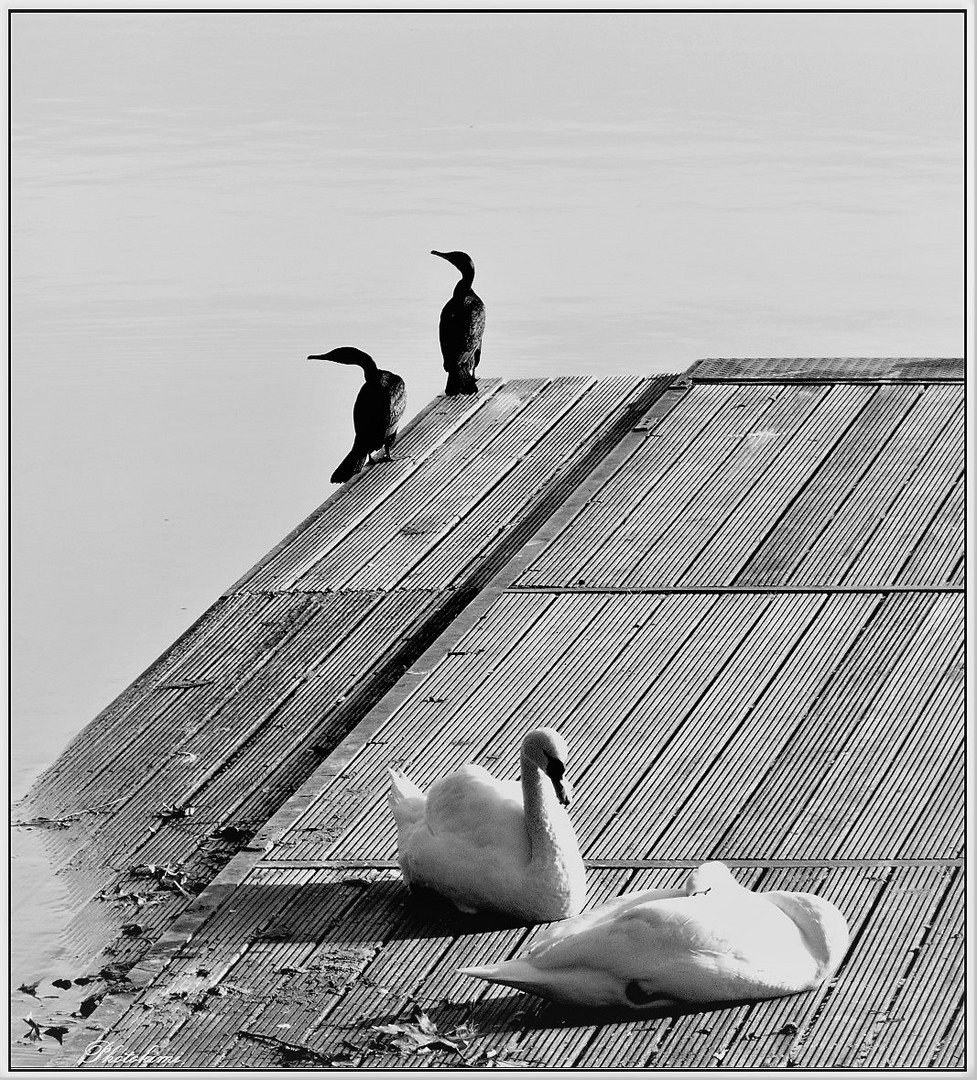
(467, 277)
(370, 370)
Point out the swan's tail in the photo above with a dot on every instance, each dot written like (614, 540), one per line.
(516, 973)
(406, 799)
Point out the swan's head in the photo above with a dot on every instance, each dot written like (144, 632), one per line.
(709, 876)
(822, 925)
(546, 749)
(345, 354)
(458, 259)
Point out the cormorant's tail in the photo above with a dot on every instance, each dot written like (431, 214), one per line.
(461, 380)
(349, 466)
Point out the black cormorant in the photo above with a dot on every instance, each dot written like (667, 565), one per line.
(376, 411)
(461, 327)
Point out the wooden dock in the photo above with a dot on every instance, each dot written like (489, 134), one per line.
(739, 595)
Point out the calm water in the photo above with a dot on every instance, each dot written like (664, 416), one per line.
(199, 201)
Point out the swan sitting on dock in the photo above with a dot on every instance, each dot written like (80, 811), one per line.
(713, 941)
(495, 845)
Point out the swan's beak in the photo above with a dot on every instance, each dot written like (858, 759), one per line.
(564, 791)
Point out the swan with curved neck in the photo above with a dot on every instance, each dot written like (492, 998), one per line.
(711, 941)
(495, 845)
(461, 327)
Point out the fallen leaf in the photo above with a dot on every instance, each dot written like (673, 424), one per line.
(33, 1029)
(57, 1033)
(30, 988)
(89, 1005)
(61, 984)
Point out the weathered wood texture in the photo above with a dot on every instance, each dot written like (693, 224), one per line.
(777, 485)
(829, 369)
(322, 959)
(742, 607)
(231, 719)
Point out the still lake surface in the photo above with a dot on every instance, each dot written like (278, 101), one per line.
(201, 200)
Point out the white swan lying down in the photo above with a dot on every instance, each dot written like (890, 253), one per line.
(495, 845)
(714, 941)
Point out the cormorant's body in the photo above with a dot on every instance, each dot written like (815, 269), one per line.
(376, 412)
(461, 327)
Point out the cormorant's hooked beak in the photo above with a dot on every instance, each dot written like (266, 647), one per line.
(441, 254)
(318, 356)
(555, 771)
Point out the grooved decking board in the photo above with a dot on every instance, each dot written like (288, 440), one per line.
(326, 956)
(663, 446)
(942, 544)
(579, 427)
(353, 503)
(820, 727)
(763, 485)
(700, 724)
(933, 429)
(812, 509)
(931, 994)
(829, 369)
(462, 461)
(859, 1006)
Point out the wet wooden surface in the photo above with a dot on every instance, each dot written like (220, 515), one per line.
(744, 613)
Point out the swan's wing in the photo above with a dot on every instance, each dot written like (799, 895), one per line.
(407, 801)
(473, 807)
(600, 916)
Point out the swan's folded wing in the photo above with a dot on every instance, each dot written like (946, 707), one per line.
(471, 804)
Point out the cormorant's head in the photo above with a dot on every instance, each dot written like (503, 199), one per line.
(345, 354)
(458, 259)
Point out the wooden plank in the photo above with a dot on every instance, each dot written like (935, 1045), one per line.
(665, 504)
(941, 827)
(591, 420)
(642, 803)
(671, 541)
(862, 996)
(829, 369)
(727, 788)
(907, 518)
(657, 450)
(942, 545)
(890, 637)
(932, 992)
(796, 531)
(731, 545)
(646, 698)
(353, 503)
(846, 787)
(916, 770)
(461, 456)
(850, 529)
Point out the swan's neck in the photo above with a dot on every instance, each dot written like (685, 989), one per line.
(543, 814)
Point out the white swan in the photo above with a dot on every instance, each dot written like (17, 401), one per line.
(495, 845)
(712, 941)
